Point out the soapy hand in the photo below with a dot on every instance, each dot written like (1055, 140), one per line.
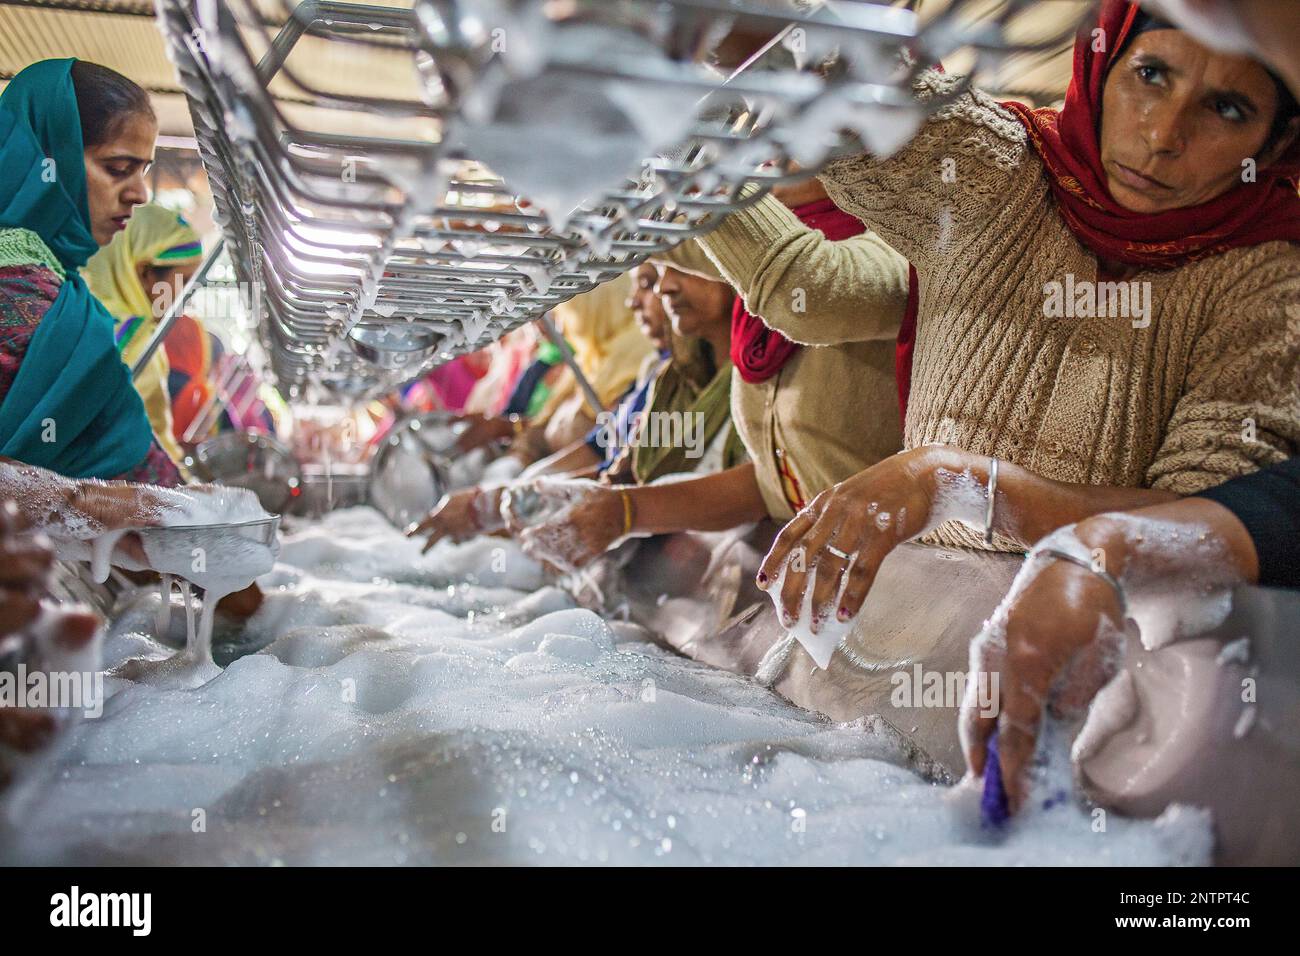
(565, 523)
(1054, 642)
(79, 510)
(845, 533)
(25, 563)
(461, 515)
(118, 504)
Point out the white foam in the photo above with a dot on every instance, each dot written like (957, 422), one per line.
(382, 722)
(959, 496)
(820, 645)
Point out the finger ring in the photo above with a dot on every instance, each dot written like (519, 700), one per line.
(831, 549)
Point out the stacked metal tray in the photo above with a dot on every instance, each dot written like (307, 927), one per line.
(539, 148)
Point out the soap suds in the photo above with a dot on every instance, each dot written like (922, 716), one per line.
(207, 536)
(366, 719)
(959, 496)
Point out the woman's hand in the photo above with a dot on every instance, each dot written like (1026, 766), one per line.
(845, 533)
(482, 431)
(582, 520)
(120, 504)
(25, 563)
(242, 605)
(460, 515)
(1054, 642)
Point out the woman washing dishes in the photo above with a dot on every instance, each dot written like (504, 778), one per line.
(692, 388)
(75, 142)
(1048, 416)
(813, 396)
(1062, 609)
(136, 276)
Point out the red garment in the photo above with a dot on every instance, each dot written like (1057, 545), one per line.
(189, 355)
(906, 340)
(758, 352)
(1067, 142)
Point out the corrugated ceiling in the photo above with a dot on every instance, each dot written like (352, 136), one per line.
(121, 34)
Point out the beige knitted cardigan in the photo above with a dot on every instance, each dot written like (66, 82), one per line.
(1208, 390)
(833, 409)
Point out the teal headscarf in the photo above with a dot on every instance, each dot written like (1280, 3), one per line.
(72, 407)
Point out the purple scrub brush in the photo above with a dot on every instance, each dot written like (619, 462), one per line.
(994, 811)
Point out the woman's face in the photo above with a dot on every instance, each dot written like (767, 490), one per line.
(695, 306)
(1178, 120)
(645, 305)
(164, 284)
(115, 176)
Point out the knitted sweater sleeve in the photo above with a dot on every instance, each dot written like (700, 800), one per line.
(941, 192)
(812, 290)
(1239, 410)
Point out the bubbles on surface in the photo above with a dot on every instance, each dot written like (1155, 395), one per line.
(365, 719)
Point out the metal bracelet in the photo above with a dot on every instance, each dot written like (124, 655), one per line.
(992, 502)
(1090, 566)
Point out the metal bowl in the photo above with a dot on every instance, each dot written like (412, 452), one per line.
(326, 488)
(407, 476)
(261, 531)
(397, 347)
(249, 460)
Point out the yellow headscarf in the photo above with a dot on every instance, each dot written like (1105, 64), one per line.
(606, 342)
(159, 237)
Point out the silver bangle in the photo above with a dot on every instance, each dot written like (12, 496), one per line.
(992, 502)
(1088, 565)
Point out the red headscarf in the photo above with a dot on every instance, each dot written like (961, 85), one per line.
(758, 352)
(1067, 142)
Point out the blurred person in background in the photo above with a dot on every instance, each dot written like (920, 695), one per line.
(510, 386)
(192, 356)
(138, 276)
(682, 377)
(448, 387)
(608, 347)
